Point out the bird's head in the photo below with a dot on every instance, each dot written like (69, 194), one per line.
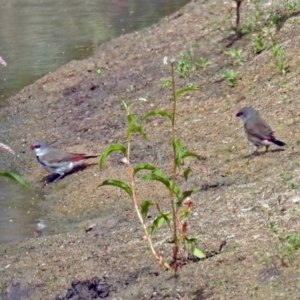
(39, 147)
(246, 113)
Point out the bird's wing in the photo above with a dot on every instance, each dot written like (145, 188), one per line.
(259, 129)
(57, 156)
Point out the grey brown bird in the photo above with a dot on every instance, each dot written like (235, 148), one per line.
(257, 130)
(57, 161)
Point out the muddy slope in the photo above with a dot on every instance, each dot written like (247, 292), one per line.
(253, 204)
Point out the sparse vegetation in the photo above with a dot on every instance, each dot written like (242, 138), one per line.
(166, 83)
(231, 77)
(203, 62)
(288, 245)
(236, 54)
(188, 63)
(258, 43)
(129, 89)
(280, 59)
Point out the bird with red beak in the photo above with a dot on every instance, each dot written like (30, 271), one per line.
(57, 161)
(257, 130)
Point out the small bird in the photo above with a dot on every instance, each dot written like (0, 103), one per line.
(57, 161)
(257, 130)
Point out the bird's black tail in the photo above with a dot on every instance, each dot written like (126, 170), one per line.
(90, 156)
(278, 143)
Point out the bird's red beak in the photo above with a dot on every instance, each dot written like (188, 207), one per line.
(31, 147)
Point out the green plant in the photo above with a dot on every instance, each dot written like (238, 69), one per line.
(129, 89)
(274, 18)
(292, 184)
(12, 175)
(292, 8)
(231, 77)
(259, 45)
(166, 83)
(278, 18)
(180, 203)
(236, 54)
(188, 63)
(254, 291)
(286, 176)
(280, 59)
(254, 21)
(184, 65)
(290, 244)
(192, 86)
(203, 62)
(272, 227)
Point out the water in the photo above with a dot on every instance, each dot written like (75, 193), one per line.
(38, 36)
(19, 213)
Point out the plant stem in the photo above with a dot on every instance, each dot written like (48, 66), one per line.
(159, 257)
(238, 7)
(175, 238)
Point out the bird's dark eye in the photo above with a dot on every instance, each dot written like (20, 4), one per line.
(37, 146)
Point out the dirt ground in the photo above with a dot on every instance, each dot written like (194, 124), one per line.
(253, 204)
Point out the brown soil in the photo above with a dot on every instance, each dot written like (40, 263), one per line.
(250, 203)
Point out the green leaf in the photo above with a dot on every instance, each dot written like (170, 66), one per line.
(159, 222)
(192, 240)
(184, 215)
(144, 166)
(178, 146)
(197, 252)
(119, 184)
(133, 126)
(187, 154)
(185, 90)
(125, 106)
(15, 177)
(140, 130)
(159, 176)
(186, 173)
(161, 113)
(183, 196)
(183, 154)
(166, 216)
(109, 150)
(179, 151)
(132, 119)
(192, 248)
(145, 207)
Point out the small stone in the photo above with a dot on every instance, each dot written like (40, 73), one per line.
(90, 227)
(296, 200)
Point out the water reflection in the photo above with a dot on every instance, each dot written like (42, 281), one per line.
(19, 212)
(38, 36)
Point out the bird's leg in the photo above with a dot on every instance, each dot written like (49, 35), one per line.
(58, 178)
(255, 150)
(267, 148)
